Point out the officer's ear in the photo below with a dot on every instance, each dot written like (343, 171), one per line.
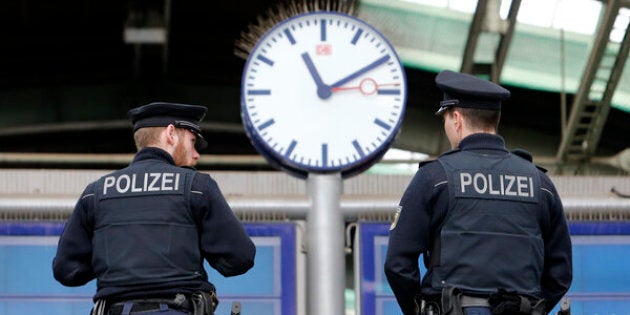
(457, 117)
(170, 133)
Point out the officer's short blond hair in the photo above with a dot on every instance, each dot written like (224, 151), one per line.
(149, 136)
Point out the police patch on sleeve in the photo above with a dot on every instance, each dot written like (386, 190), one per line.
(393, 225)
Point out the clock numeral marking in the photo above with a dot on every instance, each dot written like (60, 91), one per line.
(290, 148)
(290, 37)
(356, 37)
(324, 154)
(357, 147)
(382, 124)
(266, 124)
(258, 92)
(388, 92)
(323, 30)
(265, 60)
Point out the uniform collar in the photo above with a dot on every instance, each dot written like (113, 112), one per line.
(482, 141)
(153, 153)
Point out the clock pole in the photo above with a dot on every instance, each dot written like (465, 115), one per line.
(325, 245)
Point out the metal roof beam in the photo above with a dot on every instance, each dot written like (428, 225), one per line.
(486, 19)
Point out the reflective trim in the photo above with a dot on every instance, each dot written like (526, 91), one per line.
(446, 104)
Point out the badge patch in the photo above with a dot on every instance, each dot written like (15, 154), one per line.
(398, 210)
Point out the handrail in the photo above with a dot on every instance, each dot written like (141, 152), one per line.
(278, 208)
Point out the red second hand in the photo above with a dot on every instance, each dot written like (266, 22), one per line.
(367, 86)
(347, 88)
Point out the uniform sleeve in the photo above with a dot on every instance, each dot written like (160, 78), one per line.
(408, 238)
(224, 241)
(558, 270)
(72, 265)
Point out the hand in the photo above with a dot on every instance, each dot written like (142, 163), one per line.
(367, 86)
(323, 90)
(361, 71)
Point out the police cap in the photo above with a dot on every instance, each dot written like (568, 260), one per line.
(468, 91)
(161, 114)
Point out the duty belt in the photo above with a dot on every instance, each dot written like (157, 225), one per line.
(434, 307)
(180, 302)
(472, 301)
(197, 303)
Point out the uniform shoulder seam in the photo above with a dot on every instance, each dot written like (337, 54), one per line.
(548, 191)
(440, 183)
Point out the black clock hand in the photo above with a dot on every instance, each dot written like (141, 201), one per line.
(361, 71)
(323, 90)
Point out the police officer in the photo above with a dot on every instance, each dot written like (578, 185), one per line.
(489, 223)
(144, 231)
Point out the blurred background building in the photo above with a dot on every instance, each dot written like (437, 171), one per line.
(71, 70)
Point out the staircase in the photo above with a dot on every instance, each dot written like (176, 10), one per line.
(591, 104)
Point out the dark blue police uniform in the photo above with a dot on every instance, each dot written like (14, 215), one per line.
(483, 217)
(144, 231)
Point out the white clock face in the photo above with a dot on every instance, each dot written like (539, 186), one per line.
(323, 92)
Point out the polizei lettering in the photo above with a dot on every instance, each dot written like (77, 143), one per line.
(494, 184)
(143, 182)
